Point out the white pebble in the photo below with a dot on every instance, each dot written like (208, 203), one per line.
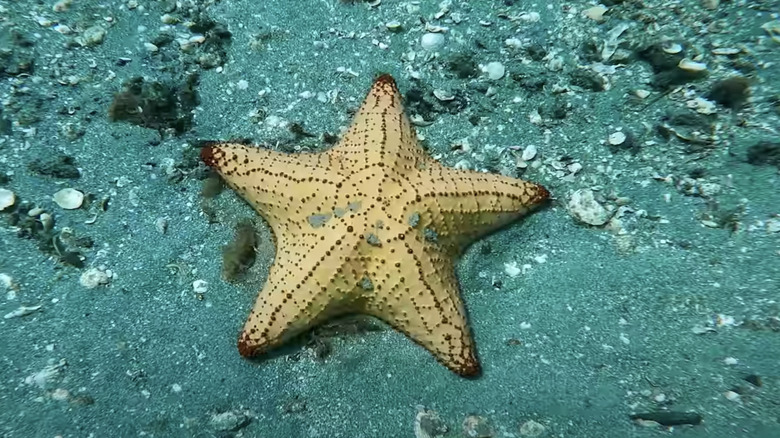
(432, 41)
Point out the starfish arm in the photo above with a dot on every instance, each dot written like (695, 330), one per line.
(278, 185)
(307, 285)
(458, 206)
(381, 132)
(417, 293)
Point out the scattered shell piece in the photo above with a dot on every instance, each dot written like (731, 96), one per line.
(428, 424)
(495, 70)
(728, 51)
(731, 360)
(710, 4)
(532, 428)
(731, 396)
(7, 282)
(200, 286)
(48, 375)
(47, 221)
(642, 94)
(62, 5)
(35, 212)
(616, 138)
(60, 394)
(773, 225)
(534, 117)
(7, 199)
(394, 26)
(92, 36)
(443, 95)
(672, 48)
(475, 426)
(702, 106)
(161, 224)
(229, 421)
(69, 199)
(692, 66)
(512, 270)
(529, 153)
(94, 277)
(584, 207)
(21, 311)
(595, 13)
(773, 29)
(432, 41)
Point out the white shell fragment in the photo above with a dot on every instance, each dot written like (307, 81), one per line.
(432, 41)
(393, 26)
(69, 199)
(200, 286)
(728, 51)
(7, 199)
(616, 138)
(21, 311)
(672, 48)
(495, 70)
(692, 66)
(94, 277)
(584, 207)
(529, 153)
(595, 13)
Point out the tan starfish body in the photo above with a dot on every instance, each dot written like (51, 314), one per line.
(370, 226)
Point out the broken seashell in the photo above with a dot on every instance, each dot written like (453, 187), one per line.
(7, 199)
(692, 66)
(69, 199)
(672, 48)
(728, 51)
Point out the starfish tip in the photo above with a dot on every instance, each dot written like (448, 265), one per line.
(207, 155)
(245, 347)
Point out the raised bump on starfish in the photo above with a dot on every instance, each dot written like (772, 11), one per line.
(369, 226)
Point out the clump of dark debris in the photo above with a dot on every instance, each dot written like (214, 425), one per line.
(764, 152)
(57, 166)
(156, 105)
(63, 244)
(731, 92)
(239, 255)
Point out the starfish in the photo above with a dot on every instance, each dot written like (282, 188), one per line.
(371, 226)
